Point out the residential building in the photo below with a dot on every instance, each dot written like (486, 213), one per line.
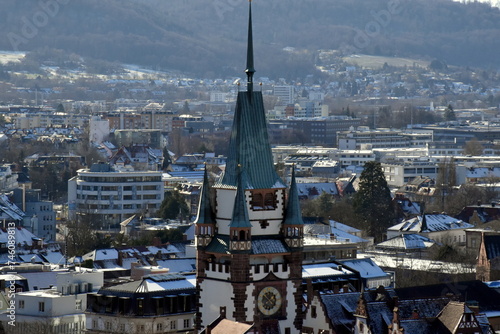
(285, 93)
(107, 195)
(98, 129)
(162, 303)
(8, 179)
(398, 174)
(59, 309)
(439, 227)
(129, 137)
(40, 216)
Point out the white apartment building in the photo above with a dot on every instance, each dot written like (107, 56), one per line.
(398, 174)
(110, 194)
(99, 129)
(285, 93)
(58, 310)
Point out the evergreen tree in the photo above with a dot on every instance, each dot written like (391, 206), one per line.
(373, 202)
(173, 206)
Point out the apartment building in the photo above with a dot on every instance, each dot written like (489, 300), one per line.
(110, 194)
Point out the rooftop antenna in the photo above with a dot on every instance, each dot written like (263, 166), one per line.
(250, 70)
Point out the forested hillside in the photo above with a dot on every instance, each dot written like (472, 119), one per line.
(207, 37)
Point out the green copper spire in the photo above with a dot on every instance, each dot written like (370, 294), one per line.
(240, 212)
(250, 67)
(293, 215)
(206, 214)
(249, 142)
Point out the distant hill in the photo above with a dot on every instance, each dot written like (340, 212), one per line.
(208, 37)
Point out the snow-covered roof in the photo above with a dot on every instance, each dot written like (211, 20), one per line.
(178, 265)
(343, 227)
(407, 242)
(366, 267)
(22, 235)
(435, 223)
(482, 172)
(323, 269)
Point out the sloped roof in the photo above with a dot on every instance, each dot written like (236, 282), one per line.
(434, 223)
(220, 244)
(228, 326)
(451, 314)
(492, 246)
(206, 213)
(249, 145)
(487, 298)
(293, 214)
(407, 242)
(366, 267)
(311, 190)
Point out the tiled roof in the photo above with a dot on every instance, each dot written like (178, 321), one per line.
(220, 244)
(268, 246)
(249, 145)
(451, 314)
(227, 326)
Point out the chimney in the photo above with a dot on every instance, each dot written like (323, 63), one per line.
(156, 242)
(415, 314)
(336, 289)
(184, 237)
(345, 288)
(492, 204)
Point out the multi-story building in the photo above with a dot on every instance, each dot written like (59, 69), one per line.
(285, 93)
(398, 174)
(108, 194)
(40, 217)
(161, 303)
(381, 138)
(129, 137)
(57, 310)
(98, 129)
(316, 131)
(8, 180)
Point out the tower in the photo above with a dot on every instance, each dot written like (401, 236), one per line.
(249, 239)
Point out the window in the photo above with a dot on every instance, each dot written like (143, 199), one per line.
(41, 307)
(108, 326)
(313, 312)
(186, 323)
(122, 328)
(78, 304)
(173, 325)
(21, 303)
(159, 327)
(94, 324)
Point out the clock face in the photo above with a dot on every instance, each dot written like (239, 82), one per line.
(269, 300)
